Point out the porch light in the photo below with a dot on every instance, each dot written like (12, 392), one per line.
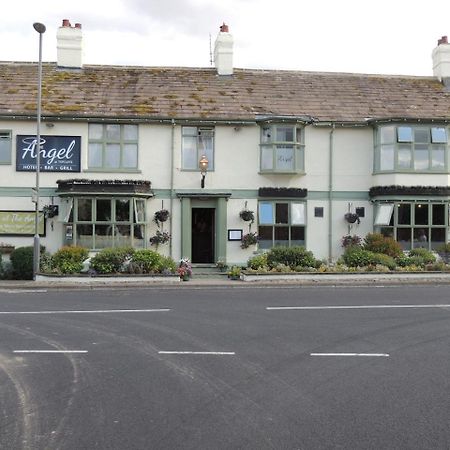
(203, 166)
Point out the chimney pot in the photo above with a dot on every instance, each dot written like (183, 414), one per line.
(443, 40)
(224, 28)
(66, 23)
(78, 25)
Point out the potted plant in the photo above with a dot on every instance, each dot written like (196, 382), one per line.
(161, 237)
(234, 273)
(185, 269)
(348, 240)
(247, 215)
(352, 218)
(50, 211)
(6, 248)
(249, 239)
(221, 265)
(161, 216)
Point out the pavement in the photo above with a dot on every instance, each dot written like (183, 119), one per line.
(309, 279)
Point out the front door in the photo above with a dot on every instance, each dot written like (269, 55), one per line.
(203, 226)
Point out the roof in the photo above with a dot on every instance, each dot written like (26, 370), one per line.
(199, 93)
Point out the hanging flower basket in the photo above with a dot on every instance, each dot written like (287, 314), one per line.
(352, 218)
(247, 215)
(50, 211)
(249, 239)
(161, 237)
(161, 216)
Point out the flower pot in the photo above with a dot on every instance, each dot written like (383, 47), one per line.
(185, 277)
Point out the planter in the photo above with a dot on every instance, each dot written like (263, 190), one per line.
(352, 218)
(6, 249)
(247, 216)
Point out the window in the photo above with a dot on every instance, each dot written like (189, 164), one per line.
(282, 149)
(197, 142)
(113, 147)
(106, 222)
(408, 148)
(281, 223)
(318, 211)
(5, 147)
(414, 224)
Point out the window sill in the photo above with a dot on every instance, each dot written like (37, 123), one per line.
(273, 172)
(411, 172)
(112, 171)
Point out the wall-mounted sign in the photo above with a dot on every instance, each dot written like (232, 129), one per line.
(57, 153)
(234, 235)
(21, 223)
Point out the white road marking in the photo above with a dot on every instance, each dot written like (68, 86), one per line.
(280, 308)
(195, 353)
(350, 354)
(50, 351)
(22, 291)
(94, 311)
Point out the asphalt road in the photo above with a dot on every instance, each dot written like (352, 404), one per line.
(225, 368)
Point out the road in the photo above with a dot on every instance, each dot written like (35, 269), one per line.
(226, 368)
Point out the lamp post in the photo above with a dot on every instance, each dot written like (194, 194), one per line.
(203, 165)
(40, 28)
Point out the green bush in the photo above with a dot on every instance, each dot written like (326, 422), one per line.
(355, 256)
(292, 257)
(377, 243)
(425, 254)
(69, 259)
(258, 261)
(111, 260)
(384, 260)
(167, 265)
(403, 261)
(22, 263)
(145, 261)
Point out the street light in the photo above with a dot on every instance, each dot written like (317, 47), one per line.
(203, 165)
(40, 28)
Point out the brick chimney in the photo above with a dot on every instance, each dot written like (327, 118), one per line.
(69, 45)
(223, 52)
(441, 60)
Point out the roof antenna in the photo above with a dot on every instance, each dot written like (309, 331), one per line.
(210, 51)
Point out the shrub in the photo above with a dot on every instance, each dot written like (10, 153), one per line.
(111, 260)
(377, 243)
(258, 261)
(69, 259)
(145, 261)
(403, 261)
(167, 265)
(355, 256)
(22, 263)
(425, 254)
(292, 257)
(380, 259)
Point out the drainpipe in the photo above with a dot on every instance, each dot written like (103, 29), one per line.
(330, 195)
(172, 157)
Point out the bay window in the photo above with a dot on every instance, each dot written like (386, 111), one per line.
(282, 149)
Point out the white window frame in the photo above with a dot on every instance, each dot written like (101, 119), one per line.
(5, 139)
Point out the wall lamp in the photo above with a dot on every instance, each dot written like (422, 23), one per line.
(203, 166)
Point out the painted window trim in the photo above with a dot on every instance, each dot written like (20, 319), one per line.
(7, 136)
(297, 144)
(121, 142)
(211, 164)
(397, 143)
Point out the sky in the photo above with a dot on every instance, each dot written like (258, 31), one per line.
(380, 37)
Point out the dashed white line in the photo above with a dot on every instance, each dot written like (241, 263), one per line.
(281, 308)
(195, 353)
(93, 311)
(50, 351)
(350, 354)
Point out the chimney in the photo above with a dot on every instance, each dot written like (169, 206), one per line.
(69, 45)
(441, 60)
(223, 52)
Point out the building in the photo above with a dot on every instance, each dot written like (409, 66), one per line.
(300, 149)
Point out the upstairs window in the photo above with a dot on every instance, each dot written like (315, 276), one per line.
(282, 149)
(196, 143)
(5, 147)
(408, 148)
(113, 147)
